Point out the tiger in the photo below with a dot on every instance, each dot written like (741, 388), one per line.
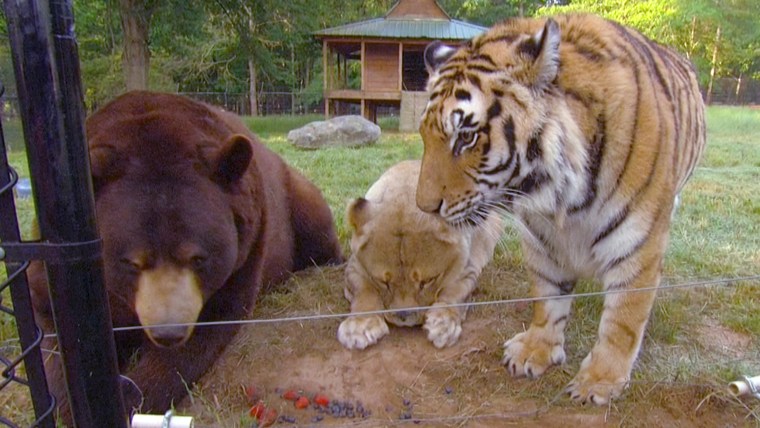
(584, 132)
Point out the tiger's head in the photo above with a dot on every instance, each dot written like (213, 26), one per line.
(494, 126)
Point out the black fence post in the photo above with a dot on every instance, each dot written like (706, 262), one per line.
(46, 67)
(30, 336)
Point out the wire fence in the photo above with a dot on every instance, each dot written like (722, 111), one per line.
(726, 91)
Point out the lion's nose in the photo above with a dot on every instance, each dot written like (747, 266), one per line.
(403, 315)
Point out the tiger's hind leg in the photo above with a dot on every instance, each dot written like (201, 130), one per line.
(531, 352)
(606, 370)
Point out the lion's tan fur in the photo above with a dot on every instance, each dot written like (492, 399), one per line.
(404, 258)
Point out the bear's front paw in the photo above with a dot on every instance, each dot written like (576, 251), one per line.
(361, 331)
(443, 326)
(532, 352)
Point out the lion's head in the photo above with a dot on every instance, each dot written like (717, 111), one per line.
(401, 253)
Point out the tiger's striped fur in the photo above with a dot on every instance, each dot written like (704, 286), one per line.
(585, 131)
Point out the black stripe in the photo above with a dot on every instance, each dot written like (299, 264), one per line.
(475, 80)
(493, 111)
(635, 249)
(534, 150)
(612, 225)
(596, 154)
(533, 182)
(509, 135)
(480, 56)
(462, 95)
(468, 123)
(481, 68)
(501, 39)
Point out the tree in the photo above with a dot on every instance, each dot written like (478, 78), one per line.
(135, 24)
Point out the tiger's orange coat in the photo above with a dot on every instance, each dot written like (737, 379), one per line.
(585, 131)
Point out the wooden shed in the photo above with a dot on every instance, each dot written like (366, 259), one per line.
(389, 51)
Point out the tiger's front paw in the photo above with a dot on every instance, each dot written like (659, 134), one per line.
(361, 331)
(443, 326)
(532, 352)
(601, 378)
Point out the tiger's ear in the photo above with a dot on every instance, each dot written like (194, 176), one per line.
(358, 213)
(436, 53)
(542, 51)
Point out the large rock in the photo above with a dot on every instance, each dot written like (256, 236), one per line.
(341, 131)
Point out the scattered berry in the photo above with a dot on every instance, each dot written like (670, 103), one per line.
(290, 395)
(321, 400)
(268, 418)
(257, 411)
(449, 390)
(302, 402)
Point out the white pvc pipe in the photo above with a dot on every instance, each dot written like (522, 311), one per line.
(161, 421)
(747, 385)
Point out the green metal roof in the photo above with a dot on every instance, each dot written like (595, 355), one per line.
(433, 29)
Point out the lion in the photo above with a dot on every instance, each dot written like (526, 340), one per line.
(403, 259)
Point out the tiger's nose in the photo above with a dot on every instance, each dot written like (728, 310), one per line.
(429, 206)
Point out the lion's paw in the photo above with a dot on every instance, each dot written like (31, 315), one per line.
(599, 380)
(443, 326)
(362, 331)
(532, 352)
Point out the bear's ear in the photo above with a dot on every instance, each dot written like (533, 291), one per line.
(542, 51)
(358, 213)
(233, 160)
(105, 165)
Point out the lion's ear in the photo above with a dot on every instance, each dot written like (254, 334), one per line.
(358, 213)
(233, 160)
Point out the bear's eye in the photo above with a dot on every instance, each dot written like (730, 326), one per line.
(131, 265)
(198, 261)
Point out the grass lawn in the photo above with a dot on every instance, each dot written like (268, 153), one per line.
(699, 338)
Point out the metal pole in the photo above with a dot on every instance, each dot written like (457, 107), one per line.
(29, 334)
(52, 111)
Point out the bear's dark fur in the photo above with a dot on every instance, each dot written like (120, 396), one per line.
(196, 215)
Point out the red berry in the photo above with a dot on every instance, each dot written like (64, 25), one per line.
(290, 395)
(302, 402)
(257, 411)
(268, 418)
(322, 400)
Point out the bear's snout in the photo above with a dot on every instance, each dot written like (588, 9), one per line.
(168, 295)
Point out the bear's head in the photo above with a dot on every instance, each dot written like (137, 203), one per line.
(175, 209)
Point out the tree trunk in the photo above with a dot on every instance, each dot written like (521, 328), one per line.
(252, 88)
(135, 23)
(692, 36)
(708, 97)
(737, 94)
